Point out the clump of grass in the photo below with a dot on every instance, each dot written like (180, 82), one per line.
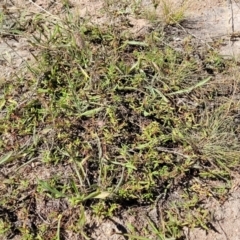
(150, 14)
(112, 120)
(171, 13)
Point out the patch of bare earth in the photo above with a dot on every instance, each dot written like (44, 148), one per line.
(225, 219)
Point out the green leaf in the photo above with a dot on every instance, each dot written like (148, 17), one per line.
(6, 158)
(91, 112)
(136, 43)
(188, 90)
(103, 195)
(47, 187)
(2, 103)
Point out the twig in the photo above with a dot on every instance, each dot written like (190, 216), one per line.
(227, 238)
(231, 19)
(171, 151)
(44, 10)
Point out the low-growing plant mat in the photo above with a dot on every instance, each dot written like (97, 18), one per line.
(105, 126)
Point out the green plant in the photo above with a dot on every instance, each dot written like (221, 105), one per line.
(172, 13)
(102, 121)
(4, 227)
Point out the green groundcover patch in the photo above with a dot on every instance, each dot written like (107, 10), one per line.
(102, 120)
